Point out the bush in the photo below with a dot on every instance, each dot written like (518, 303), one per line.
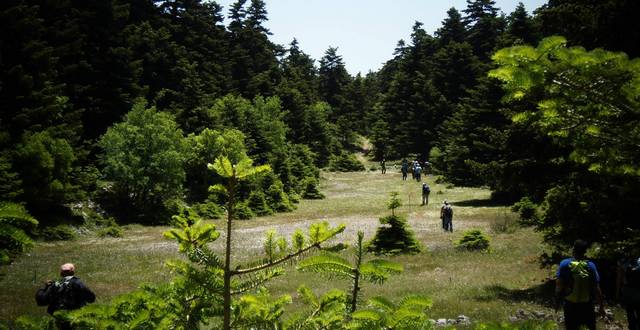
(58, 233)
(258, 203)
(394, 237)
(278, 199)
(310, 189)
(345, 162)
(243, 211)
(473, 240)
(208, 210)
(111, 231)
(527, 210)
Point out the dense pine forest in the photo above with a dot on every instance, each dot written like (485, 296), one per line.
(111, 111)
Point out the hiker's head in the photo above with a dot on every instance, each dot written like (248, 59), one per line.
(67, 269)
(446, 203)
(580, 248)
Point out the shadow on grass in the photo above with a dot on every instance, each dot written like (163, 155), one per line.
(541, 294)
(480, 203)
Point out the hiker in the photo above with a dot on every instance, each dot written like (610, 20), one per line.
(417, 172)
(446, 214)
(383, 166)
(404, 169)
(68, 293)
(577, 286)
(628, 290)
(425, 193)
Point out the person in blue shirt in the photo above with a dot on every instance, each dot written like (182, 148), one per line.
(578, 286)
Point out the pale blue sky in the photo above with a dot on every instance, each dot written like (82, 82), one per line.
(364, 31)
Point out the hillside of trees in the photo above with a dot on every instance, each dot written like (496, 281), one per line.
(118, 106)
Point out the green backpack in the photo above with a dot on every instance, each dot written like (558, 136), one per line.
(581, 284)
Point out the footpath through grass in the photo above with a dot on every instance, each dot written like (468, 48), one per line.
(484, 286)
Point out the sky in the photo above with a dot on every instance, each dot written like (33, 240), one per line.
(365, 32)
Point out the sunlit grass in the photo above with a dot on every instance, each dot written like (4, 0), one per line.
(484, 286)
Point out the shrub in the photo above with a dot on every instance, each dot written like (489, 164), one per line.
(208, 210)
(243, 211)
(473, 240)
(527, 210)
(345, 162)
(111, 231)
(393, 237)
(258, 203)
(58, 233)
(310, 189)
(278, 199)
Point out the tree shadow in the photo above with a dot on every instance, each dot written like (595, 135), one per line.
(541, 294)
(481, 203)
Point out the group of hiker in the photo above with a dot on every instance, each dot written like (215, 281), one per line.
(415, 167)
(577, 287)
(577, 279)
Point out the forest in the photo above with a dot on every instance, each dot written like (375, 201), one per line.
(147, 112)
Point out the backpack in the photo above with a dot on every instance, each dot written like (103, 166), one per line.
(64, 296)
(581, 282)
(426, 189)
(447, 211)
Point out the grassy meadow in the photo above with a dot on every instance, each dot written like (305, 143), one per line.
(483, 286)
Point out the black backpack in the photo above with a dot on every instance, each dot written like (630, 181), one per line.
(447, 211)
(64, 296)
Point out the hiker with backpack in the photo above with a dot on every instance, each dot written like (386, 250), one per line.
(425, 193)
(628, 290)
(446, 214)
(578, 288)
(68, 293)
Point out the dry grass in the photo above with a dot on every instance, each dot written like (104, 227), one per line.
(483, 286)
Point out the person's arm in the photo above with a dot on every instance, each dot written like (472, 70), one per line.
(86, 293)
(600, 300)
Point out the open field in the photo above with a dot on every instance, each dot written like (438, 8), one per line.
(484, 286)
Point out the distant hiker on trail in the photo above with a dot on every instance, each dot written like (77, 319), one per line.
(383, 166)
(404, 169)
(417, 171)
(425, 193)
(446, 214)
(68, 293)
(577, 286)
(628, 290)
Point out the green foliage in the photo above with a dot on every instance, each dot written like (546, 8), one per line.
(394, 236)
(258, 203)
(473, 240)
(208, 210)
(259, 311)
(586, 99)
(381, 313)
(45, 165)
(15, 226)
(527, 210)
(144, 158)
(333, 265)
(328, 311)
(111, 231)
(345, 162)
(310, 189)
(278, 199)
(34, 323)
(524, 325)
(58, 233)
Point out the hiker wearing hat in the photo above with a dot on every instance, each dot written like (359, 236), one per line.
(446, 214)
